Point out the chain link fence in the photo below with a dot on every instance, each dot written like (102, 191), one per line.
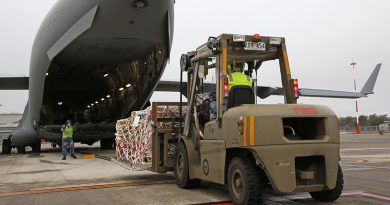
(363, 129)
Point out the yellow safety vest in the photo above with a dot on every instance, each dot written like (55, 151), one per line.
(238, 78)
(68, 132)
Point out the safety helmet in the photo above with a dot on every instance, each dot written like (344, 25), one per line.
(238, 67)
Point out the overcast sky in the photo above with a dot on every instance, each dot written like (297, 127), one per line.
(322, 39)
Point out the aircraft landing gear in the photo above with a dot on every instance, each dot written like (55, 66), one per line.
(21, 150)
(6, 148)
(36, 148)
(107, 143)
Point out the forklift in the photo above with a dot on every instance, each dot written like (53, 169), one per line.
(248, 146)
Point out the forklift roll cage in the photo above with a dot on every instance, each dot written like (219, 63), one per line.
(230, 49)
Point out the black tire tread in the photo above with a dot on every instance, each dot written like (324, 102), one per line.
(333, 194)
(186, 183)
(107, 144)
(6, 147)
(254, 181)
(21, 150)
(36, 148)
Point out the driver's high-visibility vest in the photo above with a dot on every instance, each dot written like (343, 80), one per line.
(238, 78)
(68, 132)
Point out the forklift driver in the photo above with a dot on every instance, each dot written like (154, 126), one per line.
(236, 78)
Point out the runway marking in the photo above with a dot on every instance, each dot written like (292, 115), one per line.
(384, 156)
(81, 188)
(89, 156)
(363, 169)
(360, 167)
(360, 149)
(384, 198)
(291, 199)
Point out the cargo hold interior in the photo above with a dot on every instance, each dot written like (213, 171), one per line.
(100, 93)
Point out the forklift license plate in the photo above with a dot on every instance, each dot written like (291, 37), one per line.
(254, 46)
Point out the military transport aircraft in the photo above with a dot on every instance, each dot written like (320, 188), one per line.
(95, 61)
(92, 61)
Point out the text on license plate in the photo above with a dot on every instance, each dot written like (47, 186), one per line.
(254, 46)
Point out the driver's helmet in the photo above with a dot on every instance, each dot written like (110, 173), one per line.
(238, 67)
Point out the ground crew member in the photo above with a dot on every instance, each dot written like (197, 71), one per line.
(67, 139)
(237, 77)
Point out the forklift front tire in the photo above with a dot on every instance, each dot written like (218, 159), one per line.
(181, 169)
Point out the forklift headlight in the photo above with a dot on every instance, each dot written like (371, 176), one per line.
(185, 62)
(213, 44)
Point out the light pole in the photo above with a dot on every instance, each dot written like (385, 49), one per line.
(357, 127)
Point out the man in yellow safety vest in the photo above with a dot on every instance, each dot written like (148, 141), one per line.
(67, 139)
(237, 77)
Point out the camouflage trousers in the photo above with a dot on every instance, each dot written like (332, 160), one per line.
(67, 142)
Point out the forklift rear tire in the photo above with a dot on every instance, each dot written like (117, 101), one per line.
(244, 182)
(333, 194)
(181, 169)
(6, 148)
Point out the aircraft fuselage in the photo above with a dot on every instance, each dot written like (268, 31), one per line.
(95, 61)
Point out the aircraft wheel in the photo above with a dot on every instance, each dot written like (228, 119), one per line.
(333, 194)
(107, 143)
(21, 150)
(6, 148)
(36, 148)
(244, 182)
(181, 169)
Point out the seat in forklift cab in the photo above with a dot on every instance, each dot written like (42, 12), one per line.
(239, 95)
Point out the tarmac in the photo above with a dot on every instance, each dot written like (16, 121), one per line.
(95, 179)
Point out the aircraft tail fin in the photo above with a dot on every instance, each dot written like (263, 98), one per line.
(368, 88)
